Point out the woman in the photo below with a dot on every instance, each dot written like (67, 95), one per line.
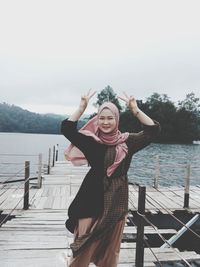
(97, 214)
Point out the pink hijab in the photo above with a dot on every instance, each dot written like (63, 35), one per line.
(115, 138)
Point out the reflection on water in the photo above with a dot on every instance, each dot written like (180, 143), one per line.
(172, 158)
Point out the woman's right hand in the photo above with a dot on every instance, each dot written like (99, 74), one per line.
(85, 100)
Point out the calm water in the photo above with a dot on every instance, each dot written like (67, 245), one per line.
(172, 158)
(16, 148)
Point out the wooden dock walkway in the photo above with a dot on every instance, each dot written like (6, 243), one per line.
(38, 237)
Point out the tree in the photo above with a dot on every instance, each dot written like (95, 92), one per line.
(186, 127)
(190, 103)
(162, 109)
(128, 123)
(188, 119)
(107, 94)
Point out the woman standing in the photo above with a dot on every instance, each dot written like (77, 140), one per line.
(97, 214)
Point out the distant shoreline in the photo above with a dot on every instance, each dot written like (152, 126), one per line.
(196, 142)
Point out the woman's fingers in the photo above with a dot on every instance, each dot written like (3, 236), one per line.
(126, 95)
(92, 94)
(126, 98)
(130, 100)
(87, 96)
(88, 93)
(122, 98)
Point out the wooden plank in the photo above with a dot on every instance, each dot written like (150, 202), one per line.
(149, 230)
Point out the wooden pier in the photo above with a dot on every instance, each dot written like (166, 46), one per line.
(38, 237)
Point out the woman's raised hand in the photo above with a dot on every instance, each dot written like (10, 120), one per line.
(130, 102)
(85, 100)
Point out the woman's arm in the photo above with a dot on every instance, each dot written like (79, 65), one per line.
(132, 104)
(143, 118)
(151, 128)
(69, 129)
(82, 106)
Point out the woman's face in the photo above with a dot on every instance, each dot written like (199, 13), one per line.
(106, 121)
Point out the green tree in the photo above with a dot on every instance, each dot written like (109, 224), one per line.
(190, 103)
(108, 94)
(185, 127)
(162, 109)
(128, 123)
(187, 119)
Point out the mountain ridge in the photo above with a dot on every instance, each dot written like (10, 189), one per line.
(16, 119)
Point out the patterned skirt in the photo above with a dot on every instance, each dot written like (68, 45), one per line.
(98, 239)
(102, 252)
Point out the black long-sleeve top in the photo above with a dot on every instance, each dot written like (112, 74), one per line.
(89, 199)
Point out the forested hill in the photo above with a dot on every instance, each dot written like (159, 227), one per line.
(16, 119)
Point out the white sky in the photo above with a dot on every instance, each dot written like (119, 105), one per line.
(51, 52)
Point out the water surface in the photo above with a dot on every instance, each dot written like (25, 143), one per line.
(168, 161)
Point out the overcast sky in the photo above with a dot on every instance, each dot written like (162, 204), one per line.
(51, 52)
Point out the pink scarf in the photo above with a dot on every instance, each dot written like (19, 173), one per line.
(115, 138)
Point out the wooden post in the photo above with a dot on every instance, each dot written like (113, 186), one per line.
(57, 153)
(157, 172)
(49, 162)
(53, 163)
(139, 259)
(187, 187)
(40, 170)
(26, 185)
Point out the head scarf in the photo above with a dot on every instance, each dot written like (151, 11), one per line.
(115, 138)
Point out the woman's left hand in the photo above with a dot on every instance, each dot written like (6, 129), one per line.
(130, 102)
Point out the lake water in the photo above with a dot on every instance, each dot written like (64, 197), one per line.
(16, 148)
